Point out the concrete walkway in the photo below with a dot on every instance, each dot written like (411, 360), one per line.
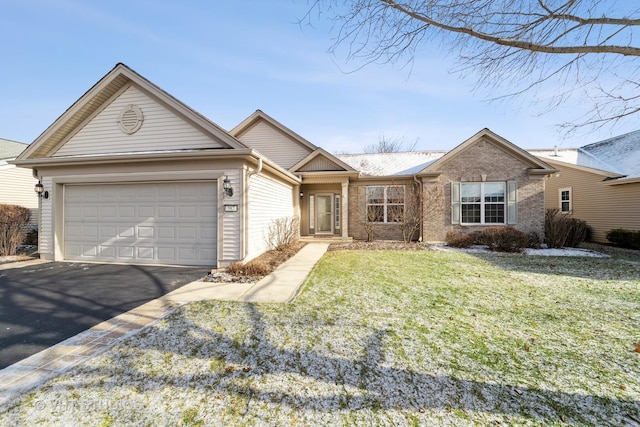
(281, 286)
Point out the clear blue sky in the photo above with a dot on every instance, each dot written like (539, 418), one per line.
(226, 59)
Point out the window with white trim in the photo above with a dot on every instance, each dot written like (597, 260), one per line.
(385, 203)
(337, 209)
(565, 200)
(482, 202)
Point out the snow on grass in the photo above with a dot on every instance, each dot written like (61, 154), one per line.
(380, 337)
(481, 249)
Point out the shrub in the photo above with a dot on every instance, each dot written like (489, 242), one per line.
(535, 241)
(561, 230)
(458, 239)
(505, 239)
(252, 268)
(283, 232)
(624, 238)
(31, 237)
(13, 220)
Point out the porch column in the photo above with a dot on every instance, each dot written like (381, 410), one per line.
(345, 209)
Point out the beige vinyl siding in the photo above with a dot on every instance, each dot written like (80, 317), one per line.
(274, 144)
(602, 206)
(321, 163)
(268, 200)
(161, 130)
(45, 231)
(17, 187)
(231, 224)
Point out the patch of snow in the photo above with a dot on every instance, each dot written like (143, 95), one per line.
(565, 252)
(474, 249)
(389, 164)
(575, 156)
(480, 249)
(621, 151)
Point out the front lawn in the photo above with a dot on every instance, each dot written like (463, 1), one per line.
(380, 337)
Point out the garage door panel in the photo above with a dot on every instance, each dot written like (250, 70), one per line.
(108, 231)
(176, 224)
(146, 232)
(90, 212)
(89, 231)
(108, 212)
(126, 211)
(165, 232)
(125, 252)
(208, 232)
(108, 252)
(145, 212)
(89, 251)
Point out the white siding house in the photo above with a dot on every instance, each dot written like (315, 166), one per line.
(16, 184)
(268, 200)
(135, 176)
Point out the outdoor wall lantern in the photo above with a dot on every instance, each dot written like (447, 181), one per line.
(40, 191)
(301, 194)
(226, 186)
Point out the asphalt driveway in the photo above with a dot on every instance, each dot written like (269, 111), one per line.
(44, 304)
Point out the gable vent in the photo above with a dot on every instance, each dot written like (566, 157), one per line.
(130, 119)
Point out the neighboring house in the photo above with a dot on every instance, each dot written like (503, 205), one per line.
(136, 176)
(598, 183)
(16, 184)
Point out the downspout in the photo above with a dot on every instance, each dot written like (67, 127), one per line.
(34, 172)
(415, 178)
(246, 204)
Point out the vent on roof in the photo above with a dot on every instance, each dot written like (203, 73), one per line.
(130, 119)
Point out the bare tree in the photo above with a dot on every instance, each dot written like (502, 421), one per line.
(588, 47)
(411, 217)
(389, 145)
(368, 217)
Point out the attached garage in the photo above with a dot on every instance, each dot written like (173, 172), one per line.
(142, 223)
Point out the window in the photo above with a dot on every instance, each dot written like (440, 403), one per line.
(482, 202)
(385, 203)
(337, 209)
(312, 212)
(565, 200)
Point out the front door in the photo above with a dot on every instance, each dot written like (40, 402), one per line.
(324, 209)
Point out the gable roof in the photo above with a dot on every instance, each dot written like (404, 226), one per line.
(618, 158)
(10, 149)
(321, 160)
(258, 116)
(429, 162)
(620, 153)
(98, 95)
(537, 165)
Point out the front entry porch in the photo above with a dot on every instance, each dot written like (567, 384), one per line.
(323, 211)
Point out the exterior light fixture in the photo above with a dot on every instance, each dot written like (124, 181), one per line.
(39, 189)
(301, 194)
(226, 186)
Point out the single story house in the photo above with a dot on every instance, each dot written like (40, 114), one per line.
(133, 175)
(598, 183)
(17, 184)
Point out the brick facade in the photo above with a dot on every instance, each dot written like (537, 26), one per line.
(357, 211)
(482, 161)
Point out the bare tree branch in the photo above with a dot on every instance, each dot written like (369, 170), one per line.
(587, 48)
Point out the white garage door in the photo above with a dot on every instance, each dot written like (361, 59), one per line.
(142, 223)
